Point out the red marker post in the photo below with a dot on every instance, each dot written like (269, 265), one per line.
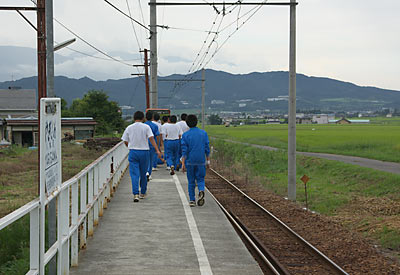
(305, 179)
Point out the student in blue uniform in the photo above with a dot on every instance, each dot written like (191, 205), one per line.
(156, 133)
(136, 137)
(156, 121)
(173, 134)
(195, 158)
(164, 142)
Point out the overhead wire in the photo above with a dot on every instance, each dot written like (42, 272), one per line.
(89, 44)
(134, 20)
(199, 64)
(236, 30)
(133, 26)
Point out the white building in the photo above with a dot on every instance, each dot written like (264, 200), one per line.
(322, 118)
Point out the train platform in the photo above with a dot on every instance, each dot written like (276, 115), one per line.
(161, 234)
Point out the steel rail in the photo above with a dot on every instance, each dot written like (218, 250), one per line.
(265, 251)
(253, 245)
(322, 256)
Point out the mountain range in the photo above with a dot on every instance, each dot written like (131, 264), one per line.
(229, 92)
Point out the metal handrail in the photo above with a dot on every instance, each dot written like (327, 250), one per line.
(81, 200)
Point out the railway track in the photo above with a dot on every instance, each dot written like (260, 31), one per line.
(278, 249)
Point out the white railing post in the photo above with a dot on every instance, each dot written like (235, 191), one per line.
(74, 221)
(83, 182)
(34, 239)
(90, 200)
(62, 232)
(95, 193)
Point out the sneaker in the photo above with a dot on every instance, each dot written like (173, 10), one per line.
(168, 168)
(155, 169)
(172, 171)
(192, 203)
(200, 201)
(135, 198)
(148, 176)
(142, 196)
(177, 169)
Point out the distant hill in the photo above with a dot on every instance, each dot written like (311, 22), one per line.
(235, 92)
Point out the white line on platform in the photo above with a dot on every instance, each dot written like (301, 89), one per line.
(161, 180)
(205, 268)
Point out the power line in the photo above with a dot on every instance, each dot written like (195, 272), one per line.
(133, 26)
(98, 57)
(112, 5)
(90, 45)
(236, 30)
(87, 43)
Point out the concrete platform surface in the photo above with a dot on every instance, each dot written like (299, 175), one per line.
(163, 235)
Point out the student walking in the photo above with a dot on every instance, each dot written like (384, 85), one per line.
(173, 133)
(195, 158)
(182, 123)
(185, 128)
(156, 133)
(136, 137)
(165, 122)
(156, 120)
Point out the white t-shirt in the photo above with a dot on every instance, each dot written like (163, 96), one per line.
(137, 135)
(172, 131)
(183, 126)
(162, 132)
(158, 125)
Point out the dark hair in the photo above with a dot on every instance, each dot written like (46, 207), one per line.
(165, 119)
(149, 115)
(191, 121)
(156, 117)
(183, 116)
(172, 119)
(138, 115)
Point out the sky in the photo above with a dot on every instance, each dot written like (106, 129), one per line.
(350, 40)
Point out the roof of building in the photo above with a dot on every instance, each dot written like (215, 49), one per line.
(31, 120)
(18, 99)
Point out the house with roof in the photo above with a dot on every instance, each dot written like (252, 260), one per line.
(19, 119)
(24, 130)
(15, 102)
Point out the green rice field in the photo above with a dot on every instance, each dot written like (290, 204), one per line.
(379, 140)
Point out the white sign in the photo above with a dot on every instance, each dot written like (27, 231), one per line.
(50, 144)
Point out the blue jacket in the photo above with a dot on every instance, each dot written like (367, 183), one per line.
(195, 146)
(154, 129)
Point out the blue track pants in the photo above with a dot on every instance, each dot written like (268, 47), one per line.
(138, 165)
(195, 173)
(152, 157)
(173, 153)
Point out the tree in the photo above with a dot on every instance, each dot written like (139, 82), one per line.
(214, 120)
(96, 104)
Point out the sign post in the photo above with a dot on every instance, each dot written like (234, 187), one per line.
(50, 160)
(50, 144)
(305, 179)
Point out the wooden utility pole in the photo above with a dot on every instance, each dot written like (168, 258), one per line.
(41, 50)
(146, 72)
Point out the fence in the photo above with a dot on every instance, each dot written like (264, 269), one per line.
(80, 203)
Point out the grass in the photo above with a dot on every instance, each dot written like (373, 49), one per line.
(375, 141)
(18, 186)
(354, 195)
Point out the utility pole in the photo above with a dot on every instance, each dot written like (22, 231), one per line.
(292, 106)
(146, 72)
(52, 214)
(153, 55)
(41, 46)
(203, 80)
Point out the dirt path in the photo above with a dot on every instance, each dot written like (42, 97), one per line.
(391, 167)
